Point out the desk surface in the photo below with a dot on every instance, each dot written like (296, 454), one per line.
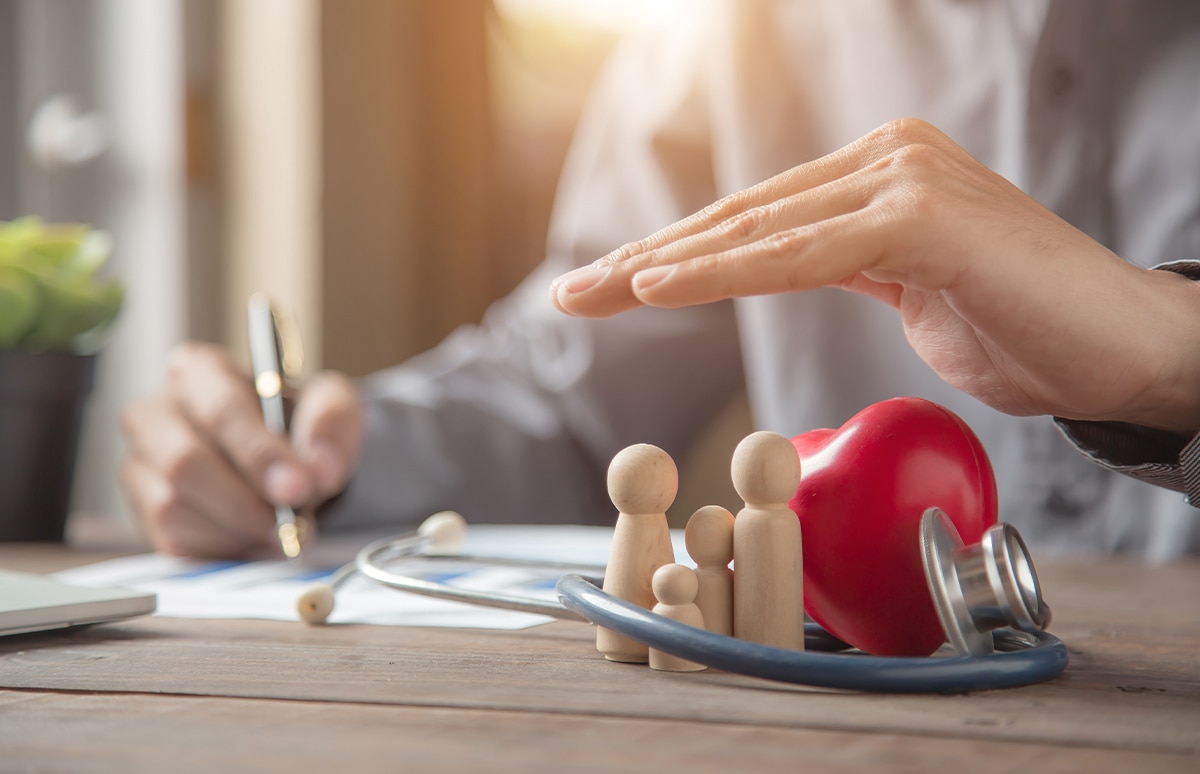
(159, 693)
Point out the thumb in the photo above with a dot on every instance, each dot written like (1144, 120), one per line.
(327, 431)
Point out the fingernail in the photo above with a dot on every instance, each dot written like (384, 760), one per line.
(327, 467)
(284, 483)
(648, 278)
(581, 279)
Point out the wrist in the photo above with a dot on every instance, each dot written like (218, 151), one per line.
(1171, 398)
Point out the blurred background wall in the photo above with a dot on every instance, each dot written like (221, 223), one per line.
(383, 168)
(401, 155)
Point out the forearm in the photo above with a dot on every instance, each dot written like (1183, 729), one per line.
(1162, 446)
(516, 420)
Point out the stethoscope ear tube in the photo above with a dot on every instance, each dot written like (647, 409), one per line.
(1034, 656)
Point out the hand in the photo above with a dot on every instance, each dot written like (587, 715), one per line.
(203, 468)
(1002, 298)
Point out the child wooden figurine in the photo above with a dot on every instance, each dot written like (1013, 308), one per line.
(675, 587)
(709, 539)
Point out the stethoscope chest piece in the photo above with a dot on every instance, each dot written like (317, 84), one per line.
(980, 587)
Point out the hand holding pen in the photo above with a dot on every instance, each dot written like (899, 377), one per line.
(203, 470)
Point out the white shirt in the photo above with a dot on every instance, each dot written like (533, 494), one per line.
(1092, 108)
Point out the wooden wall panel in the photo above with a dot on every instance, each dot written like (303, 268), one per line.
(405, 176)
(268, 86)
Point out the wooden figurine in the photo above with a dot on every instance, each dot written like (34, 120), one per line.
(675, 588)
(768, 593)
(709, 539)
(642, 484)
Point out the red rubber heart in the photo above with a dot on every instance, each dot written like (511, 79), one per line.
(863, 489)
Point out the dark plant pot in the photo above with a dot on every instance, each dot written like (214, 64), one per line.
(42, 395)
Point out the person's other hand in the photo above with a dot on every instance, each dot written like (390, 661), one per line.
(203, 469)
(1001, 297)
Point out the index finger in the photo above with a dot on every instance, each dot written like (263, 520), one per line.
(784, 201)
(219, 400)
(804, 177)
(824, 188)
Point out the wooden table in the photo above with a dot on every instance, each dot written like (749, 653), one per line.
(163, 694)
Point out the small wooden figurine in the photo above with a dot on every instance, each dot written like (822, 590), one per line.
(675, 587)
(709, 539)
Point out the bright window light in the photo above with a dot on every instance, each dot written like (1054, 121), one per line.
(613, 15)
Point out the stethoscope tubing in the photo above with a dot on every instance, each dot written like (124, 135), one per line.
(1034, 657)
(368, 564)
(1023, 658)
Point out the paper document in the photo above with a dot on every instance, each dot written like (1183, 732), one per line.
(190, 588)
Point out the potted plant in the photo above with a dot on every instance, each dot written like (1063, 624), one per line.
(54, 311)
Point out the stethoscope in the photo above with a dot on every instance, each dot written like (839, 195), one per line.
(987, 596)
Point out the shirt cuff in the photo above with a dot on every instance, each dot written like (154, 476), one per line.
(1155, 456)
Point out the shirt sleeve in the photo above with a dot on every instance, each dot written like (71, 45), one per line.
(515, 420)
(1154, 456)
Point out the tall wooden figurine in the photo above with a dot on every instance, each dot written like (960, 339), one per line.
(709, 539)
(768, 592)
(642, 484)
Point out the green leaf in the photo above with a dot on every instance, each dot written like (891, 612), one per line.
(16, 237)
(70, 310)
(18, 305)
(91, 254)
(56, 300)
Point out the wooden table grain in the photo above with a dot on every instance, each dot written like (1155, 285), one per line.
(157, 693)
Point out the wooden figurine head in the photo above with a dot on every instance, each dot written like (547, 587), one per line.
(642, 479)
(675, 584)
(765, 469)
(709, 536)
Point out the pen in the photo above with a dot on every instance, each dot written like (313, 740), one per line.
(267, 362)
